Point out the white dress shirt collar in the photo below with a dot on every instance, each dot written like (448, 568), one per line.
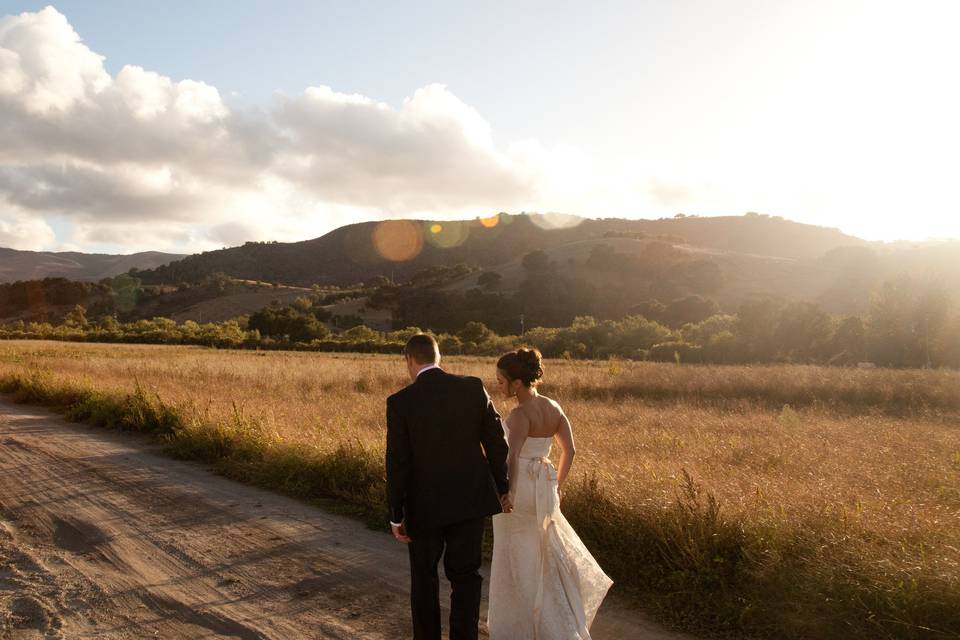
(432, 366)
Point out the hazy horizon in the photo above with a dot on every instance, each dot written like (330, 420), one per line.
(189, 129)
(928, 241)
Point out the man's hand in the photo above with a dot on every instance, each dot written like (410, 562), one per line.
(400, 532)
(506, 504)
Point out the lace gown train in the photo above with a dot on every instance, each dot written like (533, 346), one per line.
(544, 584)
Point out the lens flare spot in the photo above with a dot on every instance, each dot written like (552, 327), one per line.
(448, 234)
(398, 240)
(548, 221)
(490, 222)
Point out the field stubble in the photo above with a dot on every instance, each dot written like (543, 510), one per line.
(784, 501)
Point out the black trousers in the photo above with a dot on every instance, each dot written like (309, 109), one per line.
(460, 545)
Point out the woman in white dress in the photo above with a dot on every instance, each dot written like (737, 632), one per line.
(544, 584)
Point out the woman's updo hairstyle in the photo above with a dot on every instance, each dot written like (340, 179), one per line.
(523, 364)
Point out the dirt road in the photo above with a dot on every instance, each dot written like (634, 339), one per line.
(101, 537)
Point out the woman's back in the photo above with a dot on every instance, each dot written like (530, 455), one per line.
(543, 415)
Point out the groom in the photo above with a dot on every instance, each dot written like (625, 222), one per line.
(446, 472)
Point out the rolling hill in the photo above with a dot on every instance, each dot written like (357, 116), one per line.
(615, 263)
(749, 255)
(36, 265)
(355, 253)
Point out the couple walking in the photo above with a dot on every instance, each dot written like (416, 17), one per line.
(449, 466)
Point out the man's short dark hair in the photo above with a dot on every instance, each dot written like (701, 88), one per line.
(423, 348)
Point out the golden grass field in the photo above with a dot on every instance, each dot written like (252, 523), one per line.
(774, 501)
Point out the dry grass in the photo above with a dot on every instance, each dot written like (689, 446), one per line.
(701, 493)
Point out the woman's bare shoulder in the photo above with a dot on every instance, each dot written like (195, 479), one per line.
(552, 403)
(517, 414)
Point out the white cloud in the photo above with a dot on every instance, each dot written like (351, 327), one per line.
(146, 93)
(49, 70)
(24, 232)
(433, 154)
(134, 238)
(143, 161)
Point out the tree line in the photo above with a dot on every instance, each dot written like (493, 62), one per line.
(549, 293)
(909, 324)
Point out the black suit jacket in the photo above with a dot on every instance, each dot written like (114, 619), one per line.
(446, 452)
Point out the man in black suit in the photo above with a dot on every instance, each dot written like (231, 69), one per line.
(446, 472)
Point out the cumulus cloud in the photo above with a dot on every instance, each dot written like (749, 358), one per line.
(105, 194)
(124, 235)
(140, 157)
(434, 152)
(233, 233)
(46, 68)
(24, 232)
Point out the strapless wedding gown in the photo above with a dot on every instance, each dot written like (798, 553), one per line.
(544, 584)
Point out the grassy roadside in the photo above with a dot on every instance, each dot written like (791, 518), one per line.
(348, 478)
(688, 560)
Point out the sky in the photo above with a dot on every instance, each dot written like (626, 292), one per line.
(189, 126)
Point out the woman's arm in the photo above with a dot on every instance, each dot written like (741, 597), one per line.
(564, 439)
(518, 428)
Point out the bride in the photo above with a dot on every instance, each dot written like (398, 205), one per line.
(544, 584)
